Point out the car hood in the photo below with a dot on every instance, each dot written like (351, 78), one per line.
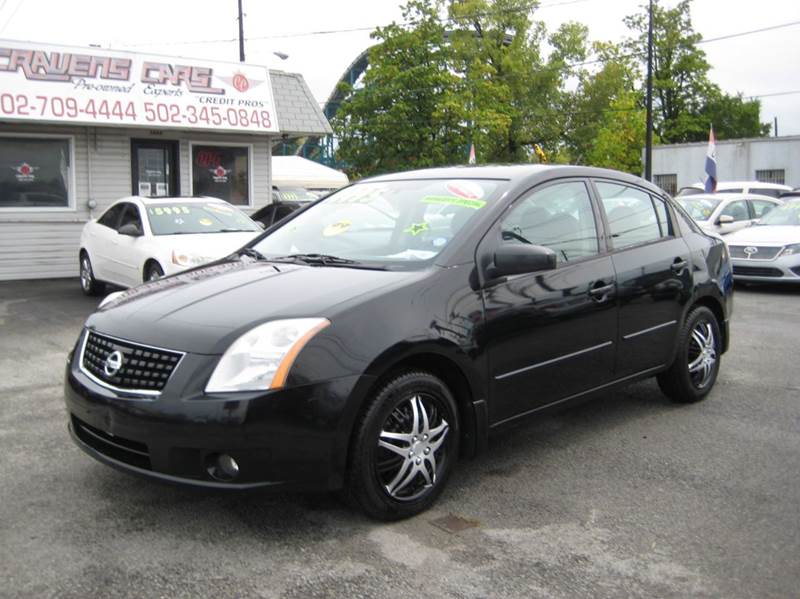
(204, 310)
(765, 234)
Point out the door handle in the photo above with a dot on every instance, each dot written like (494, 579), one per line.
(601, 292)
(679, 265)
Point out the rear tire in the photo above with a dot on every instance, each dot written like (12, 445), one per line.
(405, 447)
(694, 371)
(89, 285)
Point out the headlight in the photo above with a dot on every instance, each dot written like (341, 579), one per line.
(791, 249)
(261, 358)
(109, 298)
(188, 259)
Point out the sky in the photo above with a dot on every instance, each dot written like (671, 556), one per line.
(757, 64)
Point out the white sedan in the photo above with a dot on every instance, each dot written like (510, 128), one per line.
(142, 239)
(729, 212)
(770, 251)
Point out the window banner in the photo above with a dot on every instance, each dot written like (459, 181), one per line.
(94, 86)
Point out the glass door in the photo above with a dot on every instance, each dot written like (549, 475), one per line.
(154, 168)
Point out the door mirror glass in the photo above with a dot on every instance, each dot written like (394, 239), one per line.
(519, 259)
(131, 230)
(725, 219)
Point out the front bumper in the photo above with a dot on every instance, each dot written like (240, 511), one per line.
(785, 269)
(292, 438)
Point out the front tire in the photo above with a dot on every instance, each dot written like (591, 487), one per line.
(405, 447)
(153, 272)
(89, 285)
(694, 371)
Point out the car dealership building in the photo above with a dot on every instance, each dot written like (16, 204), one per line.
(83, 127)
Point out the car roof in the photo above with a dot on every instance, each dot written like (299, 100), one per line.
(514, 173)
(727, 197)
(729, 184)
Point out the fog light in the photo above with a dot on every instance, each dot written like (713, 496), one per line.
(222, 467)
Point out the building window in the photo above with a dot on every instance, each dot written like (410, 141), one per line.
(668, 183)
(34, 172)
(222, 172)
(772, 175)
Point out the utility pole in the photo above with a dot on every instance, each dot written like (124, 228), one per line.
(241, 33)
(648, 144)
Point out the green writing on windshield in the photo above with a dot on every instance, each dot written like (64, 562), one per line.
(452, 201)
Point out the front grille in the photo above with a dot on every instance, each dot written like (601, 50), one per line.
(756, 271)
(121, 449)
(142, 369)
(762, 252)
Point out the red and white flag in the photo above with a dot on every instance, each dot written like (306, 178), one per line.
(471, 153)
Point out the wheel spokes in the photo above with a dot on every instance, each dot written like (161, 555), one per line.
(411, 464)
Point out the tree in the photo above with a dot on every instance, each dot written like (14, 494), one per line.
(734, 117)
(620, 136)
(407, 113)
(684, 99)
(602, 95)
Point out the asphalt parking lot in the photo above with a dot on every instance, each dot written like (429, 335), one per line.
(629, 496)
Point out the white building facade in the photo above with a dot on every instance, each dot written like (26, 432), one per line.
(83, 127)
(765, 159)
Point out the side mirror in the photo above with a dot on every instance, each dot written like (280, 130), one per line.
(131, 230)
(516, 259)
(725, 219)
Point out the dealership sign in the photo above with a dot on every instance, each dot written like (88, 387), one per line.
(93, 86)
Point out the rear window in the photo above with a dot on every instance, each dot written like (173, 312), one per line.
(190, 218)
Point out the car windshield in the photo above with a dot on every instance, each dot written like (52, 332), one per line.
(699, 208)
(787, 215)
(392, 222)
(177, 218)
(295, 194)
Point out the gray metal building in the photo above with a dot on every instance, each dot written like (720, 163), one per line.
(56, 174)
(766, 159)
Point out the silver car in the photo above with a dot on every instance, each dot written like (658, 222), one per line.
(770, 251)
(729, 212)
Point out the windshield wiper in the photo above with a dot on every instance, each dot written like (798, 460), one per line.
(251, 253)
(325, 260)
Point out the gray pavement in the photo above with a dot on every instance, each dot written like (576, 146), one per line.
(628, 496)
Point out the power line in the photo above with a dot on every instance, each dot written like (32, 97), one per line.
(354, 29)
(13, 14)
(752, 31)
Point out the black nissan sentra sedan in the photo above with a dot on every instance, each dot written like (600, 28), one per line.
(370, 340)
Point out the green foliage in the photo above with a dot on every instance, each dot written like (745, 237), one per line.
(685, 101)
(437, 85)
(408, 113)
(486, 71)
(620, 136)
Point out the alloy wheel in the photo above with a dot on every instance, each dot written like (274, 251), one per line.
(86, 274)
(412, 450)
(702, 354)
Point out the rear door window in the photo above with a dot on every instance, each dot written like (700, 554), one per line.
(760, 207)
(631, 215)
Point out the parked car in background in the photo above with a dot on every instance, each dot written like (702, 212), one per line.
(726, 213)
(769, 252)
(772, 190)
(142, 239)
(787, 195)
(377, 336)
(285, 200)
